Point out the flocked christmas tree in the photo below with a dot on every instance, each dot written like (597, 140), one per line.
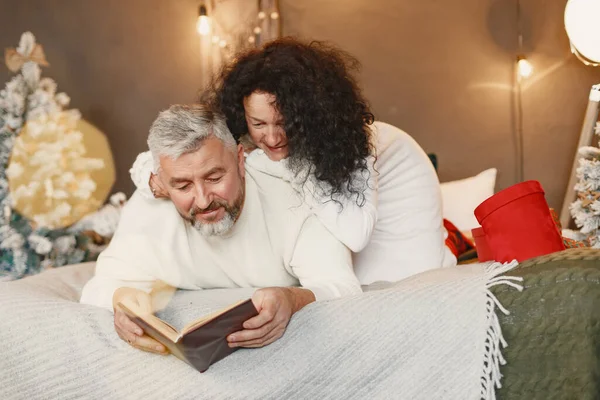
(586, 208)
(42, 150)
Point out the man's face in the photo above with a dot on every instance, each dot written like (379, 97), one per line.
(206, 186)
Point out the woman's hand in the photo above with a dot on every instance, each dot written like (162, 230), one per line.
(156, 187)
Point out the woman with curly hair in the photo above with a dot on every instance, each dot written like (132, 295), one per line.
(369, 183)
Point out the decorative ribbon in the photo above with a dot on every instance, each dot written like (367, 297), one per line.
(15, 60)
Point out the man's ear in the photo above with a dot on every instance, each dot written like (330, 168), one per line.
(241, 160)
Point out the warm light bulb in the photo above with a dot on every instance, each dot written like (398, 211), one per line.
(251, 39)
(222, 43)
(274, 15)
(583, 30)
(525, 68)
(261, 15)
(257, 30)
(203, 25)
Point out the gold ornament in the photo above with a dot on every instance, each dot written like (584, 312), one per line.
(588, 197)
(61, 169)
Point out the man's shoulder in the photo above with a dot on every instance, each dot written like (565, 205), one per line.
(141, 214)
(276, 195)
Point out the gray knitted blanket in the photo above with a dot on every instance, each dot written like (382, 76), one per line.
(433, 336)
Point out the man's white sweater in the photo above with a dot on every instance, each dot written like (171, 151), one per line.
(275, 242)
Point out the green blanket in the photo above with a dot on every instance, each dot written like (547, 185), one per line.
(553, 329)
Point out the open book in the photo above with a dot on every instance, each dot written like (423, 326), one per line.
(200, 343)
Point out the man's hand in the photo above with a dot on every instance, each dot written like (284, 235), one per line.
(127, 329)
(275, 307)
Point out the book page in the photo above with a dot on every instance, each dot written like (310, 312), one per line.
(205, 319)
(150, 321)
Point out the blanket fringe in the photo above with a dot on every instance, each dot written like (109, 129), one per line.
(494, 342)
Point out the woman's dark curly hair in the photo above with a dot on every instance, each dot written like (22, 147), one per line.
(325, 115)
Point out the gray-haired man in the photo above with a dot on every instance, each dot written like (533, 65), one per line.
(225, 226)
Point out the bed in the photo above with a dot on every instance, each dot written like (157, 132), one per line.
(54, 347)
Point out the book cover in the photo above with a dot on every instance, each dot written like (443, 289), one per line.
(202, 342)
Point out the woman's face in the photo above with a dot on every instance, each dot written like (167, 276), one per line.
(265, 125)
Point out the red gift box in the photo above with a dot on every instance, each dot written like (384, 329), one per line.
(484, 253)
(517, 224)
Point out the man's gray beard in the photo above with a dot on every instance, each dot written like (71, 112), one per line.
(218, 228)
(225, 224)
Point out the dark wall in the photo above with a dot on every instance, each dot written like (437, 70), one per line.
(120, 61)
(442, 71)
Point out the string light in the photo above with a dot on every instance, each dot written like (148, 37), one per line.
(203, 24)
(265, 26)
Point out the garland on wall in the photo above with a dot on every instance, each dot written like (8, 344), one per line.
(50, 188)
(227, 27)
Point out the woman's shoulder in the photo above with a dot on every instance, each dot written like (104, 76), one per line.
(393, 140)
(385, 134)
(400, 159)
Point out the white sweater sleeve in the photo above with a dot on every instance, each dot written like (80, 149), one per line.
(350, 219)
(114, 270)
(131, 258)
(323, 264)
(140, 173)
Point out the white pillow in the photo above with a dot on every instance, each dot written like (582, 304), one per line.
(461, 197)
